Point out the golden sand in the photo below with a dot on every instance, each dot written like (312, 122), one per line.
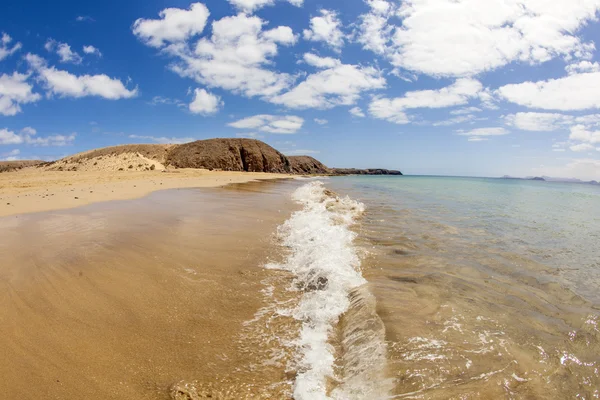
(35, 189)
(140, 299)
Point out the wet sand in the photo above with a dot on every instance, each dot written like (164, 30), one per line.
(130, 299)
(34, 189)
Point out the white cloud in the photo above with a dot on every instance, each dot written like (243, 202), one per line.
(484, 35)
(456, 120)
(326, 28)
(287, 124)
(249, 6)
(484, 132)
(12, 155)
(162, 139)
(458, 93)
(357, 112)
(340, 85)
(582, 67)
(5, 48)
(175, 25)
(28, 136)
(580, 133)
(321, 121)
(249, 135)
(9, 137)
(582, 147)
(205, 103)
(65, 84)
(465, 110)
(92, 50)
(573, 92)
(67, 55)
(236, 57)
(53, 140)
(477, 139)
(14, 91)
(29, 131)
(282, 35)
(374, 32)
(535, 121)
(321, 62)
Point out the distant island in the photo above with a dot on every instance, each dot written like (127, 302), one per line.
(247, 155)
(551, 179)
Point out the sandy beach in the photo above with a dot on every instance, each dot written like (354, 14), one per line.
(138, 299)
(34, 189)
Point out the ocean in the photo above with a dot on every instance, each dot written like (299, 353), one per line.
(437, 288)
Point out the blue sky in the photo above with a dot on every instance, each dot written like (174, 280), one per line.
(449, 87)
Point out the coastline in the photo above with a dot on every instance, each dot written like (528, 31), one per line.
(32, 190)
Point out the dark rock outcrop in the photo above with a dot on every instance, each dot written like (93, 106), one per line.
(229, 155)
(307, 165)
(370, 171)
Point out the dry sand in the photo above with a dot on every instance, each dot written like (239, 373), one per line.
(42, 189)
(125, 300)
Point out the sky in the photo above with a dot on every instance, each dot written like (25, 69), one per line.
(441, 87)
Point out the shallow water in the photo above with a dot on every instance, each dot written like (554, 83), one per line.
(487, 288)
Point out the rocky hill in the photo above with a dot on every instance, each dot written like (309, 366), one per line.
(229, 155)
(308, 165)
(213, 154)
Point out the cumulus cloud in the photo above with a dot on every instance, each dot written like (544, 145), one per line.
(582, 147)
(175, 25)
(393, 110)
(6, 49)
(64, 52)
(573, 92)
(65, 84)
(326, 28)
(340, 85)
(15, 91)
(509, 30)
(357, 112)
(205, 103)
(320, 62)
(237, 57)
(582, 67)
(92, 50)
(249, 6)
(536, 121)
(67, 55)
(163, 139)
(582, 134)
(374, 32)
(12, 155)
(28, 136)
(9, 137)
(287, 124)
(321, 121)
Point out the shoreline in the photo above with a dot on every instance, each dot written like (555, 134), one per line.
(31, 190)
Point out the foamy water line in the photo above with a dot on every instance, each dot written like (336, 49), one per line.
(341, 350)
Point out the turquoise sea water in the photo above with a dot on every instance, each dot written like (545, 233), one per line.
(555, 224)
(488, 288)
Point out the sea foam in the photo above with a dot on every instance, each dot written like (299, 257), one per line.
(326, 270)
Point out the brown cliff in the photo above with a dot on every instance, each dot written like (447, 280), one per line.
(229, 155)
